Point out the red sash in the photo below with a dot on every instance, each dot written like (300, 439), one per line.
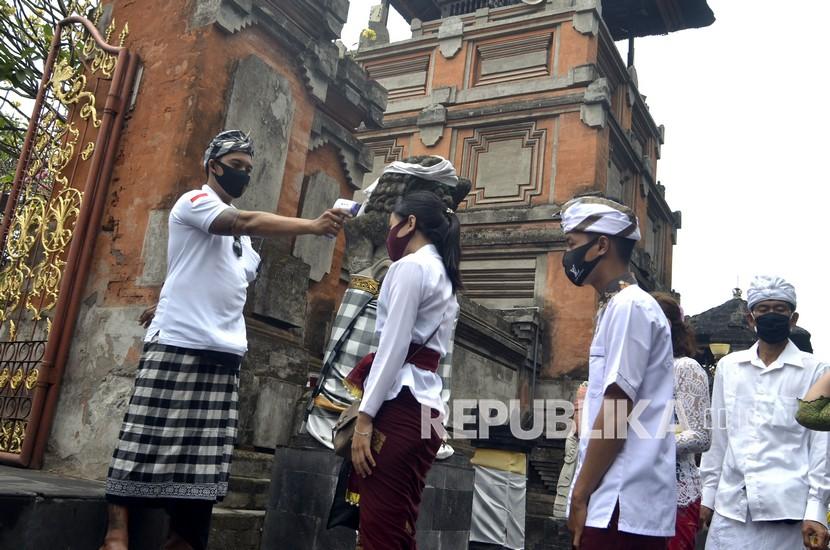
(419, 355)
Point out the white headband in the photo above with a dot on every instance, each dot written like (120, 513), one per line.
(769, 287)
(598, 215)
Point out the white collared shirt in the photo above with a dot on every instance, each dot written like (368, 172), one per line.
(204, 292)
(632, 348)
(416, 297)
(761, 460)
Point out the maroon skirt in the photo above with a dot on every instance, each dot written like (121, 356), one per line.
(389, 498)
(687, 524)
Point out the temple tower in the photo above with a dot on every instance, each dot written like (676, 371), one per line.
(534, 103)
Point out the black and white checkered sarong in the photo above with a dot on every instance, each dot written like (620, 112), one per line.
(180, 427)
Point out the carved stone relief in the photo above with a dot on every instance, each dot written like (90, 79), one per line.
(505, 164)
(319, 193)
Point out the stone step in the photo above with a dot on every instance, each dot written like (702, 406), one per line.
(247, 493)
(236, 529)
(252, 464)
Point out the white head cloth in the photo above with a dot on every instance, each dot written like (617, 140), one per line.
(598, 215)
(770, 287)
(443, 172)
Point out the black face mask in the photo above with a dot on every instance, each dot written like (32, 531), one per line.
(233, 181)
(773, 327)
(576, 268)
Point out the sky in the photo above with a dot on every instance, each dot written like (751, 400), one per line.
(743, 102)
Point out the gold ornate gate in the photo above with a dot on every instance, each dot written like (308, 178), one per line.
(51, 215)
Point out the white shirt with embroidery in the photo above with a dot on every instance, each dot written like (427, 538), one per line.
(632, 348)
(415, 298)
(691, 394)
(762, 462)
(204, 293)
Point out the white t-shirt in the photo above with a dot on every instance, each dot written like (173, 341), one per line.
(201, 302)
(632, 348)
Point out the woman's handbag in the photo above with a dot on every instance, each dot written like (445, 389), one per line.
(343, 430)
(342, 513)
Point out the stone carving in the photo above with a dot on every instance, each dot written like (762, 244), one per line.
(451, 35)
(402, 78)
(597, 101)
(497, 182)
(320, 193)
(261, 103)
(507, 60)
(330, 75)
(586, 19)
(431, 123)
(353, 333)
(354, 156)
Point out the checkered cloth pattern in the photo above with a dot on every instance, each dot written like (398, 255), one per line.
(180, 427)
(359, 342)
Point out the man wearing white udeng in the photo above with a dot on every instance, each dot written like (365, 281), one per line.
(765, 476)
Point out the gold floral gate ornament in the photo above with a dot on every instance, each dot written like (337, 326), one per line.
(50, 218)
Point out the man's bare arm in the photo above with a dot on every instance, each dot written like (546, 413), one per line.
(263, 224)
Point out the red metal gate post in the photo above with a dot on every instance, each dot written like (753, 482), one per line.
(45, 392)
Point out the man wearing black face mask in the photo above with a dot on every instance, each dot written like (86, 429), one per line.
(175, 444)
(624, 491)
(765, 477)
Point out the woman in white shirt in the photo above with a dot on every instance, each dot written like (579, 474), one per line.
(691, 394)
(397, 434)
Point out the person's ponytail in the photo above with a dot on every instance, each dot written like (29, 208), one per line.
(440, 225)
(450, 250)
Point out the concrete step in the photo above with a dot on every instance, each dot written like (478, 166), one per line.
(236, 529)
(252, 464)
(247, 493)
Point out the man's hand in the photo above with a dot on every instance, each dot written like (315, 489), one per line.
(330, 222)
(815, 535)
(362, 446)
(577, 519)
(147, 316)
(705, 516)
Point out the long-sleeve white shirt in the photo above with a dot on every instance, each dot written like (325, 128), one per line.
(415, 298)
(761, 460)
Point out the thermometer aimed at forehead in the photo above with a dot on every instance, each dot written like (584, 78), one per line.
(350, 206)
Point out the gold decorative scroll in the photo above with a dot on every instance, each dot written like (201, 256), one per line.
(88, 150)
(69, 87)
(24, 233)
(11, 436)
(103, 62)
(56, 144)
(58, 224)
(31, 379)
(17, 378)
(366, 284)
(48, 202)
